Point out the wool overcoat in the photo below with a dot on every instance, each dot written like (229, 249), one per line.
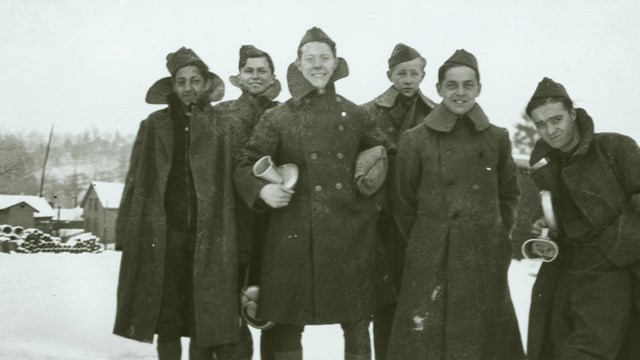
(141, 230)
(603, 179)
(454, 195)
(393, 120)
(318, 257)
(241, 116)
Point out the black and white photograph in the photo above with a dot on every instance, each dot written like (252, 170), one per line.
(319, 180)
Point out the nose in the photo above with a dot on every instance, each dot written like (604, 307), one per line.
(316, 63)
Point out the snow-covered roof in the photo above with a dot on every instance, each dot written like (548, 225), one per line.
(74, 214)
(108, 193)
(40, 204)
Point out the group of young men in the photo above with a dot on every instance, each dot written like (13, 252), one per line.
(424, 256)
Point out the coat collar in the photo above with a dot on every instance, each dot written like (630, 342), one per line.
(165, 126)
(299, 87)
(443, 120)
(585, 126)
(389, 97)
(271, 93)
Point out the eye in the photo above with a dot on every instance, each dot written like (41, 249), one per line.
(451, 86)
(469, 85)
(539, 125)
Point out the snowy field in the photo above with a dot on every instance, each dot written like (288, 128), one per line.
(62, 306)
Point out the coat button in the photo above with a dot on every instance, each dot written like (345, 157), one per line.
(339, 186)
(448, 152)
(338, 99)
(318, 188)
(313, 156)
(340, 155)
(391, 129)
(341, 127)
(343, 114)
(475, 187)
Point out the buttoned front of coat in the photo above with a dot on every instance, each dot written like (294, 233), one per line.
(454, 194)
(318, 257)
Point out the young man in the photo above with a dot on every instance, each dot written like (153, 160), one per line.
(454, 196)
(318, 253)
(582, 302)
(259, 87)
(398, 109)
(176, 223)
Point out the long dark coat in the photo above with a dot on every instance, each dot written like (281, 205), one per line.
(141, 231)
(393, 120)
(318, 258)
(454, 195)
(241, 116)
(604, 181)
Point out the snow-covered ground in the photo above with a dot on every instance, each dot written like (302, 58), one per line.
(62, 306)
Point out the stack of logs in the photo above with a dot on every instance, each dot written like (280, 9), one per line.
(16, 239)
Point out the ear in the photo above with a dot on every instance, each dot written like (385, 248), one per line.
(297, 62)
(573, 114)
(208, 84)
(439, 89)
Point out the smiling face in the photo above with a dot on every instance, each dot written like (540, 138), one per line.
(407, 76)
(256, 76)
(459, 89)
(189, 84)
(317, 63)
(556, 125)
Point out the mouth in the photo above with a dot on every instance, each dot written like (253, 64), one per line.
(459, 102)
(318, 75)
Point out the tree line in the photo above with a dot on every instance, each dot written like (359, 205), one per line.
(75, 159)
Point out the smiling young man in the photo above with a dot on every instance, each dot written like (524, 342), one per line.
(257, 80)
(454, 194)
(176, 225)
(401, 107)
(583, 302)
(319, 248)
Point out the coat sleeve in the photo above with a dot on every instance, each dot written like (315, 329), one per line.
(625, 154)
(129, 186)
(373, 136)
(508, 189)
(404, 185)
(265, 140)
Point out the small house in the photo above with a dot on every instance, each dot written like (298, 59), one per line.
(100, 207)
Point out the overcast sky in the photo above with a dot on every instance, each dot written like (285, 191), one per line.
(89, 63)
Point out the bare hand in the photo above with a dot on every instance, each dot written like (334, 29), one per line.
(276, 195)
(538, 225)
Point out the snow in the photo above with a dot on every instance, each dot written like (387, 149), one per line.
(62, 307)
(38, 203)
(109, 193)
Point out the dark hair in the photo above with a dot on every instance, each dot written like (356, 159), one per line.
(446, 66)
(331, 45)
(243, 62)
(537, 102)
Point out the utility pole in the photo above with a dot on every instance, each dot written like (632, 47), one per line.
(46, 157)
